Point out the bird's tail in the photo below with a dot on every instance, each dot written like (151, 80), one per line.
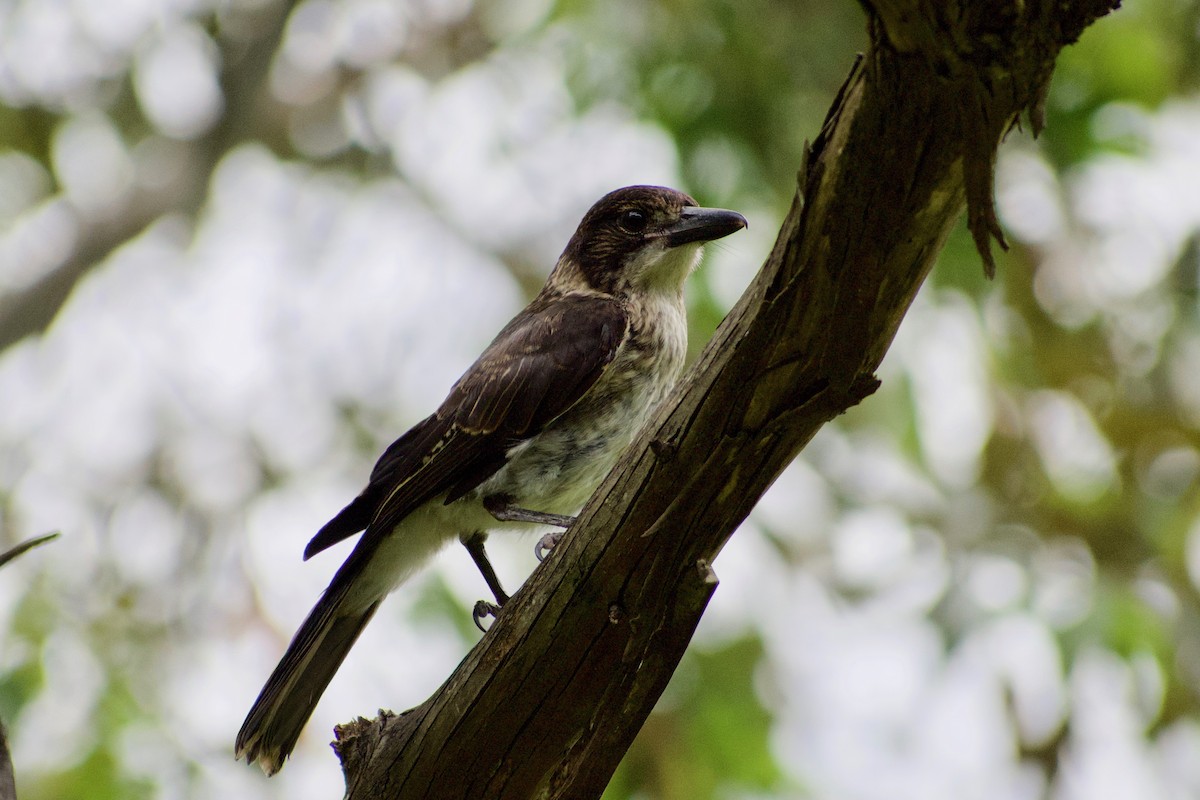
(291, 693)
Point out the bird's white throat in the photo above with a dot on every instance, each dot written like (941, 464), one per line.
(660, 268)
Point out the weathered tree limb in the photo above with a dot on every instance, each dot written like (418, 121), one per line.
(551, 698)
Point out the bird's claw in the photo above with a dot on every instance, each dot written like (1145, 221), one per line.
(546, 544)
(483, 609)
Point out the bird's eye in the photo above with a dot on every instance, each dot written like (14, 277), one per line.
(634, 221)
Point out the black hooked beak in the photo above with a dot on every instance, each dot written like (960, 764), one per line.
(703, 225)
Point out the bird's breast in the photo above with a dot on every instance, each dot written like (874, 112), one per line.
(558, 469)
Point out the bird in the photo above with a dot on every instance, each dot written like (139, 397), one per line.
(523, 438)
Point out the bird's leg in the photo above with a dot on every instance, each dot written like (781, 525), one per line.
(483, 609)
(504, 511)
(500, 508)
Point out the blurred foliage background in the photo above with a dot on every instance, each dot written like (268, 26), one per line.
(245, 244)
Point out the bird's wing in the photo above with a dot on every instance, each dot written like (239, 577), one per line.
(535, 369)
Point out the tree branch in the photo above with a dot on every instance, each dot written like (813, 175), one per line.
(552, 697)
(8, 784)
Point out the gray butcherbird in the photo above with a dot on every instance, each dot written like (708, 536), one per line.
(526, 435)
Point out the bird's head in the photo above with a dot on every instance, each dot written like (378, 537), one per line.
(639, 239)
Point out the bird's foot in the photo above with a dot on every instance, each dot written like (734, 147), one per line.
(546, 544)
(483, 609)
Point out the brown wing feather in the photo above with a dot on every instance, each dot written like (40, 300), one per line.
(535, 369)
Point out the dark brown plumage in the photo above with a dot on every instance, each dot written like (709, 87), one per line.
(534, 423)
(535, 369)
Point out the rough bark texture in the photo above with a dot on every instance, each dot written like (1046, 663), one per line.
(550, 700)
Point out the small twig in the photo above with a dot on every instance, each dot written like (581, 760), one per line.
(8, 784)
(23, 547)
